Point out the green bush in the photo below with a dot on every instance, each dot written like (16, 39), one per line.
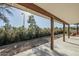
(10, 34)
(22, 34)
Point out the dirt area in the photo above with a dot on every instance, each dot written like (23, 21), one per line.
(12, 49)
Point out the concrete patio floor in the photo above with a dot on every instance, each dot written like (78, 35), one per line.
(68, 48)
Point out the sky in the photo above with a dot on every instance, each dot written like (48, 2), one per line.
(16, 19)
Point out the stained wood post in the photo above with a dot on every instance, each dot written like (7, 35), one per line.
(77, 28)
(63, 32)
(68, 31)
(52, 33)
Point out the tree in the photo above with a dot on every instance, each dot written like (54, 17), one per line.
(33, 29)
(5, 8)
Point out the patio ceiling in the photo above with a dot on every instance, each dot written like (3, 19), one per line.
(34, 9)
(68, 12)
(63, 12)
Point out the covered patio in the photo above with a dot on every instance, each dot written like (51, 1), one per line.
(66, 14)
(68, 48)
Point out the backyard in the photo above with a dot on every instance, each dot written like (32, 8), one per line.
(27, 34)
(11, 34)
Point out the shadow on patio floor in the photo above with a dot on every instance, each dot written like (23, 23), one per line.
(46, 51)
(72, 43)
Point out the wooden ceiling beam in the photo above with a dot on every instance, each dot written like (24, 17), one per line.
(38, 9)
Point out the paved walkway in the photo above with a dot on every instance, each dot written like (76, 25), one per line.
(68, 48)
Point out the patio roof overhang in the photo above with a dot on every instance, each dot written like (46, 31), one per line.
(33, 8)
(67, 13)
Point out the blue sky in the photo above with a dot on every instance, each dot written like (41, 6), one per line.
(16, 19)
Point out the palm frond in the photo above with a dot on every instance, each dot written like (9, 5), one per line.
(4, 18)
(9, 12)
(7, 8)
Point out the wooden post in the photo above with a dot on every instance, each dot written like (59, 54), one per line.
(63, 32)
(68, 31)
(77, 28)
(52, 33)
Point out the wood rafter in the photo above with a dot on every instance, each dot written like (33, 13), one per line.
(36, 8)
